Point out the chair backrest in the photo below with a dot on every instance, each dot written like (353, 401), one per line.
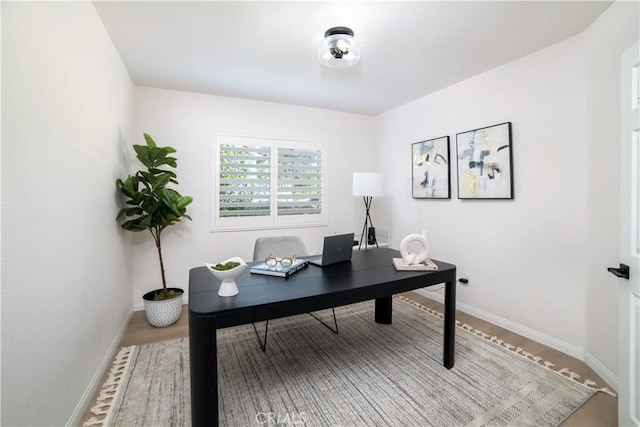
(279, 246)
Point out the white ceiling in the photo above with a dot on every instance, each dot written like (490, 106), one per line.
(268, 50)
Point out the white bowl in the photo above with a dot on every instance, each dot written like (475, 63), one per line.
(228, 278)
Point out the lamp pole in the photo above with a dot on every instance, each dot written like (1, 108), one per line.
(367, 221)
(368, 185)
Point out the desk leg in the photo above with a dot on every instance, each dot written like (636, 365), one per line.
(204, 370)
(449, 322)
(384, 309)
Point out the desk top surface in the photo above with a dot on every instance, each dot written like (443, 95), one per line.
(367, 269)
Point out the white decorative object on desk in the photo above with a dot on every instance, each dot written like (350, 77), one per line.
(427, 265)
(228, 287)
(411, 258)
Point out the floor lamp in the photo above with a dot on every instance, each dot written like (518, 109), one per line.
(368, 185)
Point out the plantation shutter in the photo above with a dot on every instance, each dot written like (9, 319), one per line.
(262, 183)
(245, 181)
(299, 181)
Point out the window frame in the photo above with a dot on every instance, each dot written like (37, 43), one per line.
(219, 223)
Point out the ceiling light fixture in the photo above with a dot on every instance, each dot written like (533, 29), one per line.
(339, 49)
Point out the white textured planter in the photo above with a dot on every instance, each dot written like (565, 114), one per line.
(163, 313)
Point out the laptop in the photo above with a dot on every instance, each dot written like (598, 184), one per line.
(335, 249)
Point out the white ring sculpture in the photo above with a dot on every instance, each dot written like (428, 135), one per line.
(411, 258)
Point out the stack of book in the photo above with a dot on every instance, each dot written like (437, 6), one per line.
(279, 270)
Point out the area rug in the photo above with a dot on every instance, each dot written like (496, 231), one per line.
(367, 375)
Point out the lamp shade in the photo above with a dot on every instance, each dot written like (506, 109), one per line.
(368, 184)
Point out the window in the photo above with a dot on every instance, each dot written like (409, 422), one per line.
(264, 183)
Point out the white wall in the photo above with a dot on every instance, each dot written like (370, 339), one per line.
(66, 108)
(525, 256)
(532, 259)
(188, 122)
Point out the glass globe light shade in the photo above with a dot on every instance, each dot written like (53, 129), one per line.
(339, 49)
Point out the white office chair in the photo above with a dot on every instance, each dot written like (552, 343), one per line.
(278, 246)
(282, 246)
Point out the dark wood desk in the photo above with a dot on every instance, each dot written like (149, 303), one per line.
(369, 275)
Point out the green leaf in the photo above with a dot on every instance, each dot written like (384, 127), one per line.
(142, 153)
(133, 225)
(170, 150)
(145, 221)
(157, 171)
(129, 187)
(150, 141)
(171, 161)
(121, 213)
(134, 211)
(184, 201)
(161, 181)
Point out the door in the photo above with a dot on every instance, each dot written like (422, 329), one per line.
(629, 357)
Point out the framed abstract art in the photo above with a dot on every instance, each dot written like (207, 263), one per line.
(485, 163)
(431, 169)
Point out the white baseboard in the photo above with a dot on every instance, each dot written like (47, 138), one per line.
(549, 341)
(95, 382)
(601, 370)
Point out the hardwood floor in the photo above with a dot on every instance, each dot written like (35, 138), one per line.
(600, 411)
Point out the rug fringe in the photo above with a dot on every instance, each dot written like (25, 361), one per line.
(111, 388)
(566, 373)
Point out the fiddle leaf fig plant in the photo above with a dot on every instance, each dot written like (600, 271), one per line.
(149, 203)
